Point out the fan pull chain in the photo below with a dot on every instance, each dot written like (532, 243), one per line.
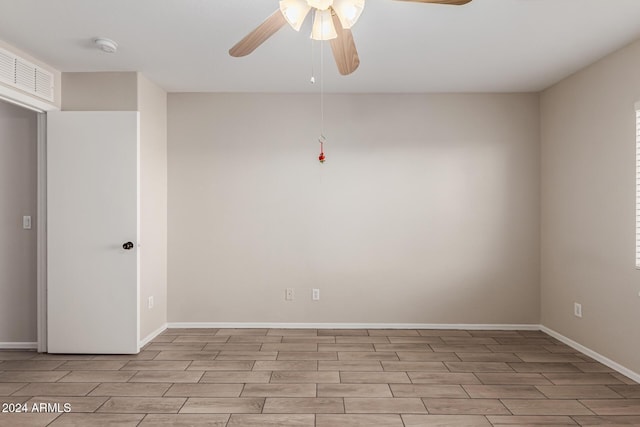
(313, 73)
(321, 157)
(322, 81)
(322, 138)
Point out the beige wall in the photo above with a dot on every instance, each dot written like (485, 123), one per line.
(18, 194)
(131, 91)
(588, 212)
(426, 211)
(152, 104)
(56, 74)
(106, 91)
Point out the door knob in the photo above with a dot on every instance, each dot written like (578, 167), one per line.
(127, 246)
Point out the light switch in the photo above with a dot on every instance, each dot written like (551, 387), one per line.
(26, 222)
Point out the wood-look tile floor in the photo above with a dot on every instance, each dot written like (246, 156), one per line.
(322, 378)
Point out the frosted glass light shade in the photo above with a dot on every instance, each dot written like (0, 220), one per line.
(348, 11)
(323, 28)
(294, 12)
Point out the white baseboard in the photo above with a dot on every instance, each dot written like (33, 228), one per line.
(146, 340)
(18, 345)
(268, 325)
(592, 354)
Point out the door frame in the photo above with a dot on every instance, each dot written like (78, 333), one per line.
(41, 229)
(23, 100)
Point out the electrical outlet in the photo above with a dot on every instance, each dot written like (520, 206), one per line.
(288, 294)
(150, 303)
(577, 309)
(315, 294)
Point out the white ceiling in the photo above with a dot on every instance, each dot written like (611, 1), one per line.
(485, 46)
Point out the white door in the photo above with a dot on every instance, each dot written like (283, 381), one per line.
(92, 218)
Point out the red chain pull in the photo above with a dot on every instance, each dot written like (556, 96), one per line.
(321, 140)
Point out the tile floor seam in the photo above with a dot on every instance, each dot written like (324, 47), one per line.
(100, 406)
(621, 396)
(183, 403)
(90, 391)
(241, 390)
(140, 422)
(53, 420)
(503, 404)
(20, 388)
(167, 390)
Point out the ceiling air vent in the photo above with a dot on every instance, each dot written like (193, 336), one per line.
(25, 76)
(44, 84)
(7, 67)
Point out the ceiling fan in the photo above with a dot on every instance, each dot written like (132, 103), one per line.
(333, 21)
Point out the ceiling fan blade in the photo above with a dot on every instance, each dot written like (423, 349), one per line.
(258, 36)
(344, 49)
(451, 2)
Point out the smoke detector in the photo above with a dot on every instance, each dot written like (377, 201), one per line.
(106, 45)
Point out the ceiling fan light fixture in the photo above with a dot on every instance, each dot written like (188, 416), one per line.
(348, 11)
(320, 4)
(323, 28)
(295, 11)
